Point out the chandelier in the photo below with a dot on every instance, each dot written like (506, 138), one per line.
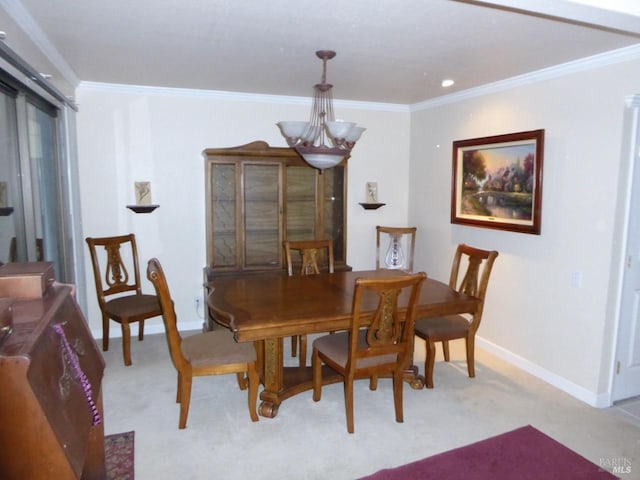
(323, 142)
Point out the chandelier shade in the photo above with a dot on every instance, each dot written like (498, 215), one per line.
(323, 142)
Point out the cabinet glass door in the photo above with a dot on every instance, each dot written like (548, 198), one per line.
(333, 202)
(223, 212)
(263, 240)
(301, 213)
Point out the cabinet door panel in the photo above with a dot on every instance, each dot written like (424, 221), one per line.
(262, 215)
(301, 201)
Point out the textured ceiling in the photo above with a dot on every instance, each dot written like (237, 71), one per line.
(387, 51)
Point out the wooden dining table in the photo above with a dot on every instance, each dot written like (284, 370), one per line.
(265, 308)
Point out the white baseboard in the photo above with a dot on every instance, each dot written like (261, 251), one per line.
(594, 399)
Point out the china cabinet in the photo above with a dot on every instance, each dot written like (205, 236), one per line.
(258, 196)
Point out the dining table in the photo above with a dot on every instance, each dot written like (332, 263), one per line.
(267, 307)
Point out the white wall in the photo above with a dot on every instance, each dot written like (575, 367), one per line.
(128, 134)
(534, 316)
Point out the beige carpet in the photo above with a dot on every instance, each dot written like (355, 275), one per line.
(308, 440)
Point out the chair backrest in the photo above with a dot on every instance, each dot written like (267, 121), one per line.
(309, 251)
(390, 332)
(475, 279)
(117, 277)
(156, 276)
(395, 247)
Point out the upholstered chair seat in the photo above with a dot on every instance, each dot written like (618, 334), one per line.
(448, 327)
(216, 347)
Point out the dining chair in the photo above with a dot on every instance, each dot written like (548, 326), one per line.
(395, 247)
(310, 264)
(380, 348)
(119, 289)
(450, 327)
(209, 353)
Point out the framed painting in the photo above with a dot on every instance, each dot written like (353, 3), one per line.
(497, 182)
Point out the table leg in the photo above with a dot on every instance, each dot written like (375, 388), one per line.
(415, 381)
(411, 376)
(272, 376)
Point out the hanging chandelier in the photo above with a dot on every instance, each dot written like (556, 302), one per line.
(323, 142)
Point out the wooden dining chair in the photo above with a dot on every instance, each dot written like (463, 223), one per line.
(395, 247)
(310, 264)
(210, 353)
(119, 289)
(381, 348)
(442, 329)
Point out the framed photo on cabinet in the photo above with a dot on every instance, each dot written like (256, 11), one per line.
(497, 182)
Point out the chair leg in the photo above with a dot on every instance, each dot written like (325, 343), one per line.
(429, 362)
(373, 382)
(105, 333)
(185, 399)
(126, 342)
(302, 355)
(179, 388)
(445, 350)
(242, 380)
(316, 365)
(397, 394)
(254, 381)
(294, 345)
(141, 330)
(348, 402)
(471, 355)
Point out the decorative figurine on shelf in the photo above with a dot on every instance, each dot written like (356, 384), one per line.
(372, 192)
(4, 201)
(143, 193)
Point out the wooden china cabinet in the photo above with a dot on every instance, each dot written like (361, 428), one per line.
(258, 196)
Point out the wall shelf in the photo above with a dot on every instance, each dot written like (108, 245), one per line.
(372, 206)
(142, 208)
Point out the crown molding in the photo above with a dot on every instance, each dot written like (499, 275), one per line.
(588, 63)
(557, 71)
(234, 96)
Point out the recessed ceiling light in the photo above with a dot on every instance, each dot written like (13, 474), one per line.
(447, 82)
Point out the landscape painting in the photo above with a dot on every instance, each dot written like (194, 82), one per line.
(497, 181)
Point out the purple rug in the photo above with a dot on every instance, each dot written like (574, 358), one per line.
(118, 449)
(523, 454)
